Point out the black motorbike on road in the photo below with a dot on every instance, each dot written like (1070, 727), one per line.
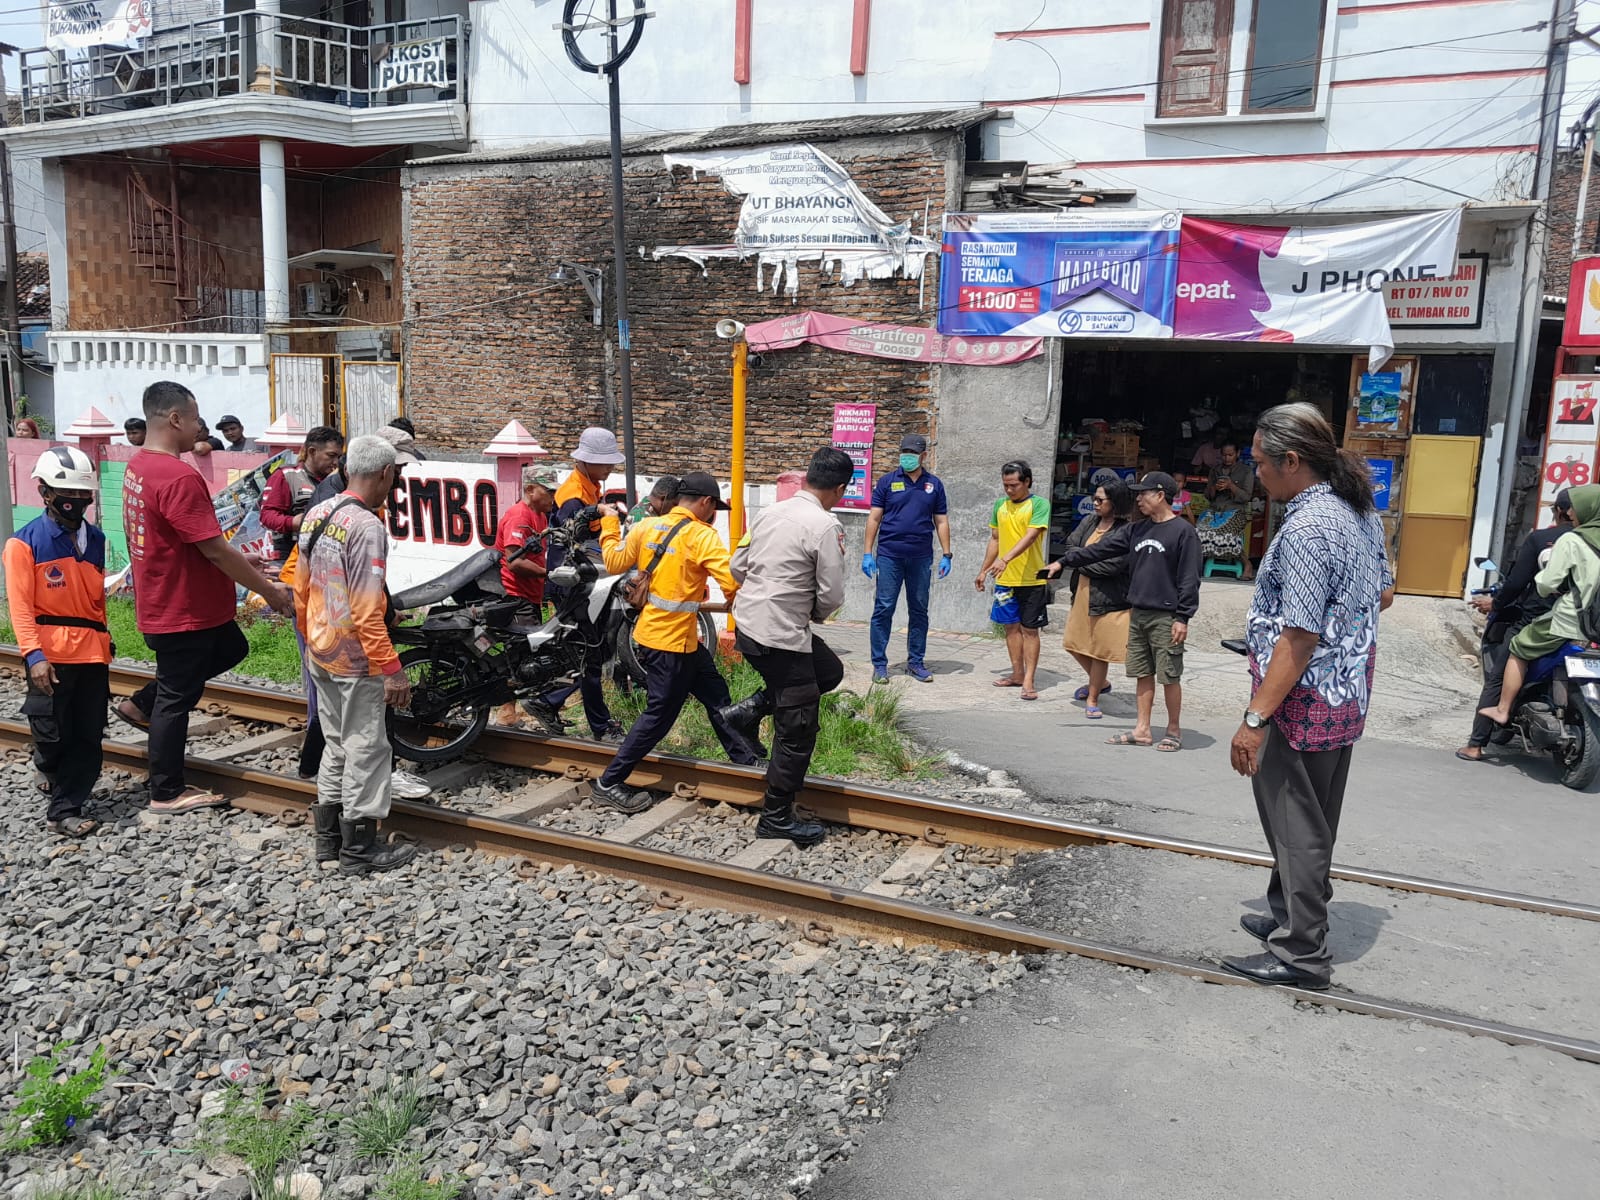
(477, 648)
(1558, 709)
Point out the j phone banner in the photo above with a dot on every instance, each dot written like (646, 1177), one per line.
(1071, 274)
(1310, 285)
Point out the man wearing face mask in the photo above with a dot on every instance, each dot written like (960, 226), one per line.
(908, 509)
(55, 568)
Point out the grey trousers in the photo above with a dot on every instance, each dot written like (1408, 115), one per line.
(357, 762)
(1298, 795)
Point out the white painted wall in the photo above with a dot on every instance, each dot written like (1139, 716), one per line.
(110, 371)
(1472, 137)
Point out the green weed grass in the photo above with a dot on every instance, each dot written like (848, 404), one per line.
(270, 1142)
(382, 1127)
(49, 1111)
(857, 735)
(274, 653)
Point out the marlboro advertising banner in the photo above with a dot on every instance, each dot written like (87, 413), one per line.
(905, 342)
(1321, 285)
(1070, 274)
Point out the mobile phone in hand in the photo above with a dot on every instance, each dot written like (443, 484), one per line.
(1044, 574)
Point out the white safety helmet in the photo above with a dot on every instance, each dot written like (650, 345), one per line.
(66, 468)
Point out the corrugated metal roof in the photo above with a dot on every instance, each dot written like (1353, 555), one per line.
(823, 129)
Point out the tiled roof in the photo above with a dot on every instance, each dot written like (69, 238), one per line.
(821, 130)
(33, 285)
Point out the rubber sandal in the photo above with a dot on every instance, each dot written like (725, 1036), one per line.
(1007, 682)
(141, 726)
(1029, 694)
(1477, 758)
(1169, 745)
(1124, 739)
(1093, 712)
(73, 826)
(1082, 693)
(190, 800)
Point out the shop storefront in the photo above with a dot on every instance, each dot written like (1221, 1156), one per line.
(1420, 423)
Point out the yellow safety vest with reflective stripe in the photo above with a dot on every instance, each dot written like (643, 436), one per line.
(678, 584)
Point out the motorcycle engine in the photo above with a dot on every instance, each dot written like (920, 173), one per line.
(1540, 723)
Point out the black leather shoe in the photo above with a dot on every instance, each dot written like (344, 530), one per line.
(1258, 926)
(620, 797)
(744, 717)
(1270, 969)
(778, 820)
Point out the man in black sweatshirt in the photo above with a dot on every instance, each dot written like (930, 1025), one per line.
(1164, 588)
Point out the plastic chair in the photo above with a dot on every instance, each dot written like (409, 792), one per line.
(1215, 566)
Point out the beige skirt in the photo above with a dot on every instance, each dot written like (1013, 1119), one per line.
(1104, 638)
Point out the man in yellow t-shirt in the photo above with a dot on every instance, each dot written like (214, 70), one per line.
(1018, 526)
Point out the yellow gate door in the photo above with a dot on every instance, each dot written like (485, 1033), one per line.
(1441, 488)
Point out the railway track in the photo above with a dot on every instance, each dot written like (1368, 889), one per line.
(838, 801)
(821, 911)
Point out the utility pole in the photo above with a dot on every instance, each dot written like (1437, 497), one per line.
(13, 369)
(617, 53)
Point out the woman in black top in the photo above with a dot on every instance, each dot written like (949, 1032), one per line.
(1097, 627)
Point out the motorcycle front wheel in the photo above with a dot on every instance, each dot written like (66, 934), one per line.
(628, 649)
(439, 725)
(1581, 764)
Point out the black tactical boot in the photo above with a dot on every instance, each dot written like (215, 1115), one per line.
(744, 716)
(325, 818)
(362, 853)
(778, 821)
(620, 797)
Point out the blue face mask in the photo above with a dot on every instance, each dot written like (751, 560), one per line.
(910, 462)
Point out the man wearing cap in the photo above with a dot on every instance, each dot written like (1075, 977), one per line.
(908, 509)
(232, 431)
(524, 578)
(1164, 588)
(596, 454)
(679, 552)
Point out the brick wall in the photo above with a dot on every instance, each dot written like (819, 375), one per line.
(1561, 212)
(477, 232)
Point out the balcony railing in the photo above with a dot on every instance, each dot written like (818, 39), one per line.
(404, 62)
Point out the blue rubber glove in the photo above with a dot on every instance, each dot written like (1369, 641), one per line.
(944, 566)
(869, 564)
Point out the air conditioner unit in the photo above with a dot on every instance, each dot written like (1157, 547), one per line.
(314, 298)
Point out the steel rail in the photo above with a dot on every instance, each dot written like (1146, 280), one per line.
(822, 910)
(845, 803)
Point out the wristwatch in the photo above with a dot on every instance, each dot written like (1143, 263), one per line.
(1254, 720)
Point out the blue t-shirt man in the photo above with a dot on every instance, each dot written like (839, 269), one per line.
(908, 510)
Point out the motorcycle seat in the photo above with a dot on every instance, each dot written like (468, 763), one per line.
(440, 589)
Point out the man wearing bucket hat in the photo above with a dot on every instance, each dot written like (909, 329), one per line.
(596, 454)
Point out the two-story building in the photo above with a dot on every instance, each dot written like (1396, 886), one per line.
(220, 197)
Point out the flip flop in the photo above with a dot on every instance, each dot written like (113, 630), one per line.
(1029, 694)
(1124, 739)
(1169, 745)
(142, 726)
(73, 826)
(1477, 758)
(1093, 712)
(1006, 682)
(1083, 692)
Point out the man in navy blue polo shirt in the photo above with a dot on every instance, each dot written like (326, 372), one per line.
(908, 508)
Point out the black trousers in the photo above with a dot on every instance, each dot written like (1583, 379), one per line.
(185, 663)
(669, 680)
(595, 653)
(1299, 794)
(795, 682)
(1493, 655)
(67, 728)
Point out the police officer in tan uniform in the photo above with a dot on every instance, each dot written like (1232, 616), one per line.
(790, 568)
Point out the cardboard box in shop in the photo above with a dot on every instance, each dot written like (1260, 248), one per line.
(1115, 449)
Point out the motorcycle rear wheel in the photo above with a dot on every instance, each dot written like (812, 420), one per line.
(1582, 765)
(628, 649)
(435, 728)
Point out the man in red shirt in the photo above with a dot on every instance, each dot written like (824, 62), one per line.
(525, 577)
(289, 491)
(183, 579)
